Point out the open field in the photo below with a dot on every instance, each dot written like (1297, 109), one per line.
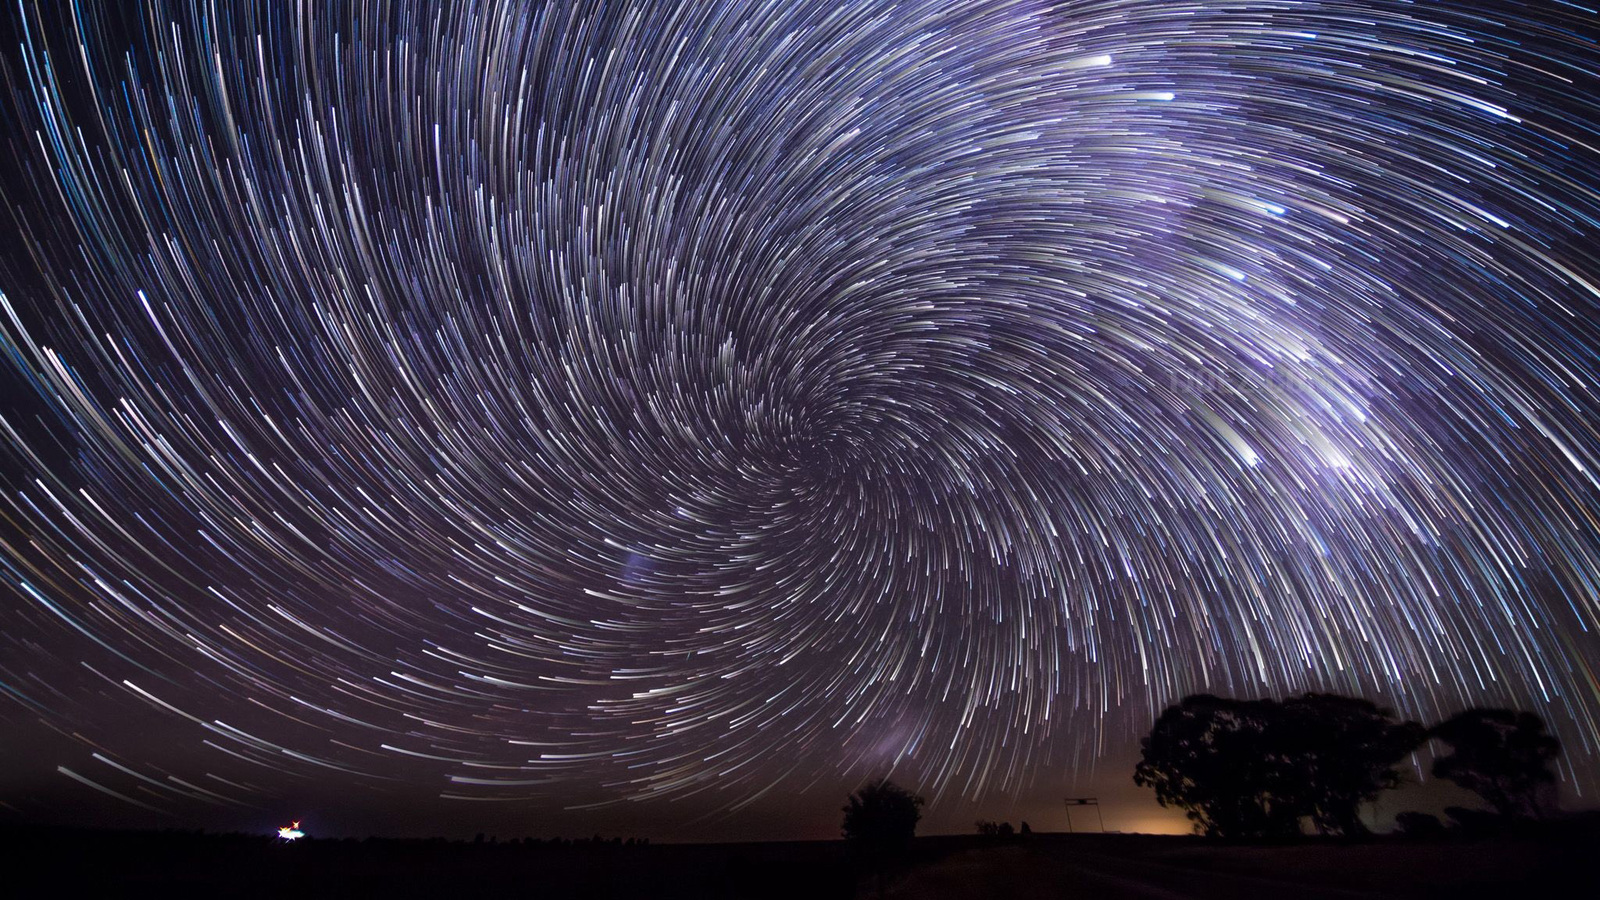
(172, 864)
(1166, 868)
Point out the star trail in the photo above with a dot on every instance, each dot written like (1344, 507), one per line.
(603, 402)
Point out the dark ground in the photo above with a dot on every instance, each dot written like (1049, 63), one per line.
(1554, 862)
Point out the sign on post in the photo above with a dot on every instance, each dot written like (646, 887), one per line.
(1084, 801)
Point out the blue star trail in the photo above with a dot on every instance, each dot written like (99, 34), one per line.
(592, 402)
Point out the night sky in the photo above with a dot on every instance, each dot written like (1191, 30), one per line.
(659, 418)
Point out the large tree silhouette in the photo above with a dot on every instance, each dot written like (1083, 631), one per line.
(1255, 768)
(1342, 752)
(1501, 755)
(1213, 758)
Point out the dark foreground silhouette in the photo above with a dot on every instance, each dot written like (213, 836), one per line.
(1264, 769)
(1553, 859)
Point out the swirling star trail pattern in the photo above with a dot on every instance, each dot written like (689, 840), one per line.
(490, 398)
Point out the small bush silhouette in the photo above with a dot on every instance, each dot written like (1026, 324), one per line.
(1418, 824)
(1475, 822)
(1001, 830)
(881, 819)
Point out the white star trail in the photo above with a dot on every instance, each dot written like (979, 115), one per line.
(509, 400)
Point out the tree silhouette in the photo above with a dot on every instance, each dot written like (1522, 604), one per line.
(881, 819)
(1501, 755)
(1342, 752)
(1254, 768)
(1213, 758)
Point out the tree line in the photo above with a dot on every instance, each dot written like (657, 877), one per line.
(1262, 769)
(1258, 769)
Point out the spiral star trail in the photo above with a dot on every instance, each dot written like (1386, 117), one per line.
(608, 401)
